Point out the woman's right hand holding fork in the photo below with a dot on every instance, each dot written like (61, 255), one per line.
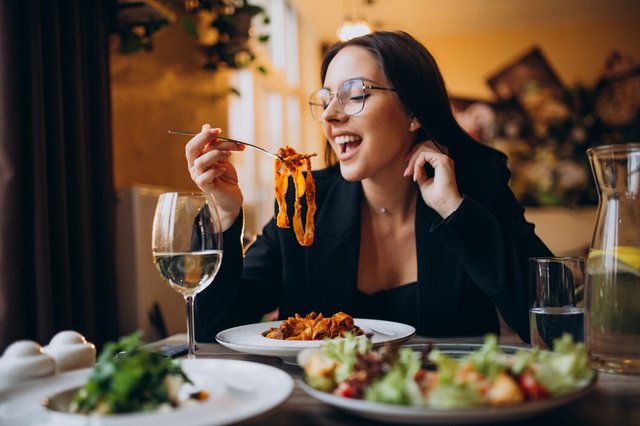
(211, 170)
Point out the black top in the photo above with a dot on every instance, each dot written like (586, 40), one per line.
(468, 264)
(398, 304)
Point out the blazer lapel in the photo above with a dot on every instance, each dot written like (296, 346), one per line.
(332, 261)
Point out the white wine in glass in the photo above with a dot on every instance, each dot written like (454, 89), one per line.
(187, 246)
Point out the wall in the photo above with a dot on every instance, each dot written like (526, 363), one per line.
(153, 92)
(577, 52)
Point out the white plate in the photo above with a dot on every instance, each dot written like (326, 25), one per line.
(238, 390)
(415, 414)
(249, 338)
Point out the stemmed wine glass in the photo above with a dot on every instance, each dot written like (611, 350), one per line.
(187, 246)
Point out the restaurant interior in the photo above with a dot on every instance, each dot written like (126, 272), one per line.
(97, 102)
(89, 93)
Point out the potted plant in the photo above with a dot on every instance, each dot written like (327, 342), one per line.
(222, 28)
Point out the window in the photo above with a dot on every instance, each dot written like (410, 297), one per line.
(268, 112)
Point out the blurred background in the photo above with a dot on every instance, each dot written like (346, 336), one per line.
(90, 90)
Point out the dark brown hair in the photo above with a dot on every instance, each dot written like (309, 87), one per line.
(412, 70)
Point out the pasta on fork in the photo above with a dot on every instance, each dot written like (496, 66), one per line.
(291, 165)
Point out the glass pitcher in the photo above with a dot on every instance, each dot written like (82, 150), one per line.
(612, 291)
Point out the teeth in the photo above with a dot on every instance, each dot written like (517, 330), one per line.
(346, 139)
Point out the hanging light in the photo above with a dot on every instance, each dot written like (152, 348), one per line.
(351, 28)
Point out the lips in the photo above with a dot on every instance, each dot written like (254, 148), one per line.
(347, 144)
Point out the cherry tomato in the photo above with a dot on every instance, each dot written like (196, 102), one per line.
(345, 390)
(532, 388)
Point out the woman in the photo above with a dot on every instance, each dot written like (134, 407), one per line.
(415, 221)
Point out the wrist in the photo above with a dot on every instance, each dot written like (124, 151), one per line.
(227, 219)
(448, 206)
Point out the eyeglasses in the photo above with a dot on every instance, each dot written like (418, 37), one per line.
(351, 95)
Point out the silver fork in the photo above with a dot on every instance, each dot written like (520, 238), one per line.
(185, 133)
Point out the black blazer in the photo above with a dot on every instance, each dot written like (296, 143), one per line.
(468, 265)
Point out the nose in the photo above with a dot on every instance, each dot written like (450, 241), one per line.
(334, 111)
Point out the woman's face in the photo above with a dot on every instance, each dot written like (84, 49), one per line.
(376, 140)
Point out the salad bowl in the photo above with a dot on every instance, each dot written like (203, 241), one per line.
(451, 412)
(238, 391)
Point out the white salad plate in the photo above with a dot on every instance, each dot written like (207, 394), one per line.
(406, 414)
(249, 338)
(238, 390)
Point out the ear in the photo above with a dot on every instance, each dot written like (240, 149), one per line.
(414, 125)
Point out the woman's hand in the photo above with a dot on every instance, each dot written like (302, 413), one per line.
(440, 192)
(211, 170)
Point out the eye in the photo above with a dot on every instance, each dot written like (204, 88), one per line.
(319, 104)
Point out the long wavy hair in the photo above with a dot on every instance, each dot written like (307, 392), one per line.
(412, 70)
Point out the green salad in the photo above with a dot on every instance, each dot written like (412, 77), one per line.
(351, 368)
(128, 378)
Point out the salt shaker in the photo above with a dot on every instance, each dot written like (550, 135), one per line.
(22, 361)
(71, 351)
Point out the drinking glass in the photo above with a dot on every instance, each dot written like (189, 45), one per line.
(558, 304)
(187, 246)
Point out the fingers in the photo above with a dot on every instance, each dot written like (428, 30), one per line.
(204, 180)
(196, 144)
(421, 155)
(210, 159)
(205, 142)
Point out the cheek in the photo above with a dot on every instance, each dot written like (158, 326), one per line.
(326, 130)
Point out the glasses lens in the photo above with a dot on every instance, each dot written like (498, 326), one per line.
(351, 96)
(318, 102)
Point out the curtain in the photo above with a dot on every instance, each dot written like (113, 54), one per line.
(57, 201)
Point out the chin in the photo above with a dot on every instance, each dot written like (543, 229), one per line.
(350, 174)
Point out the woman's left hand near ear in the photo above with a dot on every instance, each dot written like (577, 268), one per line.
(440, 192)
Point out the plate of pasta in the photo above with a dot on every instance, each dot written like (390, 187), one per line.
(296, 333)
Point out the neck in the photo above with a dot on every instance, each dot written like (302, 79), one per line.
(389, 198)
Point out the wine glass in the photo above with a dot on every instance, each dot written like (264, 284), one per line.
(187, 246)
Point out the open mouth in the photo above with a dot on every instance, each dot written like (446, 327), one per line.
(346, 144)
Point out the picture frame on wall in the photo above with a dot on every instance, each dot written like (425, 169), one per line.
(532, 68)
(617, 93)
(530, 82)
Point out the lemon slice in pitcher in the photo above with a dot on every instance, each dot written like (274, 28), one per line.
(622, 259)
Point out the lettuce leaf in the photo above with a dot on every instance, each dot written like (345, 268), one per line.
(563, 369)
(127, 378)
(454, 396)
(486, 360)
(398, 386)
(343, 351)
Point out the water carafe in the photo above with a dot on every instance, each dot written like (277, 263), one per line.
(612, 292)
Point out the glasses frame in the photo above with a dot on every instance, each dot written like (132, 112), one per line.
(334, 95)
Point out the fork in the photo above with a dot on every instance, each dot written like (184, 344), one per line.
(185, 133)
